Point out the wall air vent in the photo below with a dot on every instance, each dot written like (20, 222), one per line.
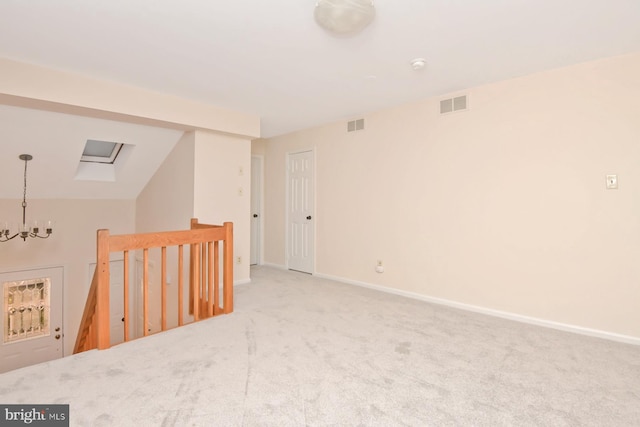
(449, 105)
(355, 125)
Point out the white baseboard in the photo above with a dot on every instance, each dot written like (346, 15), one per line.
(491, 312)
(278, 266)
(241, 282)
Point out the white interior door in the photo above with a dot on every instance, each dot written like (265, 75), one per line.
(116, 301)
(256, 214)
(31, 317)
(300, 211)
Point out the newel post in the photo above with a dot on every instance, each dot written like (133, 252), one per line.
(227, 275)
(102, 292)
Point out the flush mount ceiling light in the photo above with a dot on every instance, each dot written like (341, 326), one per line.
(418, 63)
(344, 17)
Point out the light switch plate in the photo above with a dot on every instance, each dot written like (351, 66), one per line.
(612, 182)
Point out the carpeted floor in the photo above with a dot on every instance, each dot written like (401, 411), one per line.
(301, 351)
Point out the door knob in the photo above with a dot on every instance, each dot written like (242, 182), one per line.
(255, 215)
(123, 319)
(309, 217)
(58, 329)
(58, 336)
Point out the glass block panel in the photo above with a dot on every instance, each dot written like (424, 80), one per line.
(26, 309)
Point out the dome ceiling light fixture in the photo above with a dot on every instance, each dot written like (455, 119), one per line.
(418, 63)
(344, 17)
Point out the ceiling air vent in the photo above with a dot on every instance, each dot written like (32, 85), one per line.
(459, 103)
(355, 125)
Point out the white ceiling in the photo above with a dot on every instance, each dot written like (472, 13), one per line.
(270, 58)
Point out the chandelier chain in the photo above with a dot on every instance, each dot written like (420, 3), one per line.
(24, 194)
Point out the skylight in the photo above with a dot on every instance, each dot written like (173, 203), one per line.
(100, 151)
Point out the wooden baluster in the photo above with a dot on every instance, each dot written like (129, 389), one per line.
(227, 274)
(163, 292)
(145, 291)
(126, 296)
(180, 284)
(210, 300)
(195, 285)
(216, 278)
(203, 279)
(192, 270)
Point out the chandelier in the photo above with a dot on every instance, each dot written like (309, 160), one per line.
(26, 230)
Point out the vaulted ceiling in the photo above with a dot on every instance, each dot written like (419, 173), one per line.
(271, 59)
(56, 142)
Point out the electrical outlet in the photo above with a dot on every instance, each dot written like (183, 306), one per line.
(240, 191)
(238, 260)
(379, 267)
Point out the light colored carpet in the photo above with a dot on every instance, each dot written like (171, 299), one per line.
(300, 350)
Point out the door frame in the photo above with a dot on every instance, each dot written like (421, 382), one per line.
(288, 155)
(39, 271)
(260, 159)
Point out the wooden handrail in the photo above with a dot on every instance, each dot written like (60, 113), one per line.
(203, 241)
(82, 342)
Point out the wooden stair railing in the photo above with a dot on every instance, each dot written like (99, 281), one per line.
(204, 272)
(86, 336)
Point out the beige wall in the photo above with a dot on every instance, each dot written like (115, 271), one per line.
(259, 147)
(502, 207)
(166, 204)
(200, 178)
(72, 245)
(222, 190)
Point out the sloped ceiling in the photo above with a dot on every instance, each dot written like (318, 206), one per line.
(271, 59)
(56, 142)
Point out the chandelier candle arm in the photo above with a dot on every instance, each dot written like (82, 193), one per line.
(25, 230)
